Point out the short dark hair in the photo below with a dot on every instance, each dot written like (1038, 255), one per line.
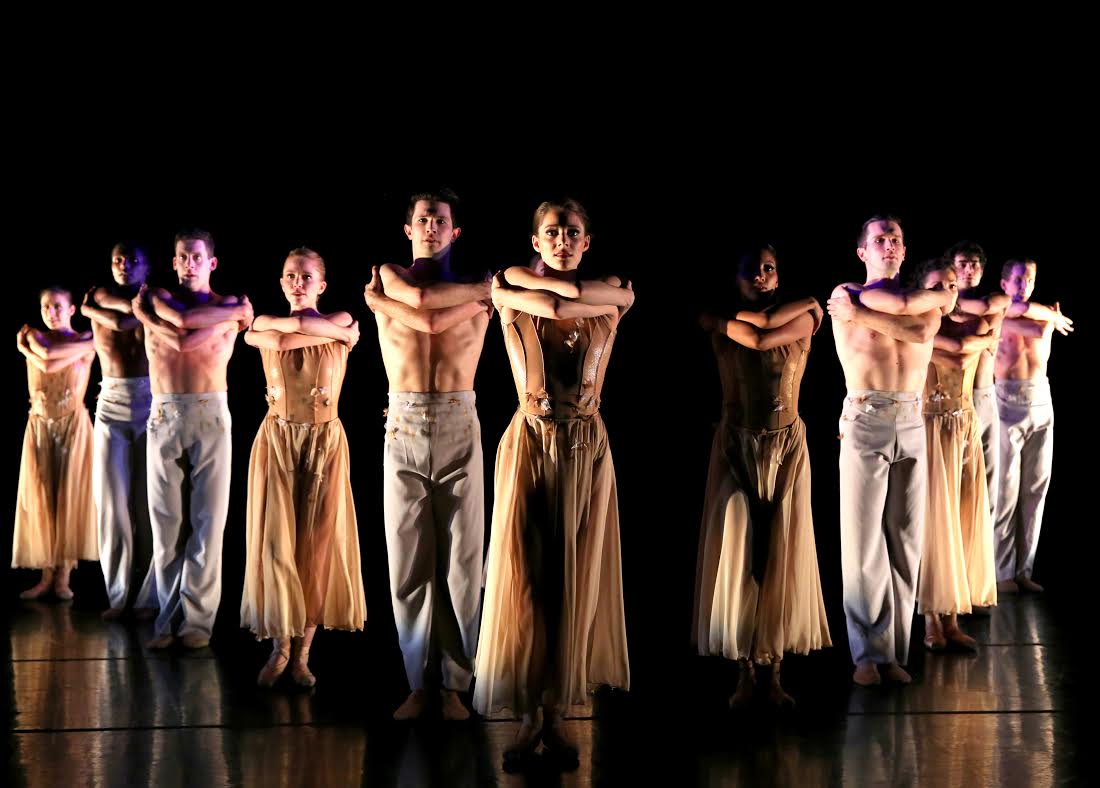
(926, 267)
(58, 289)
(567, 205)
(1006, 269)
(196, 234)
(131, 250)
(878, 217)
(967, 249)
(442, 194)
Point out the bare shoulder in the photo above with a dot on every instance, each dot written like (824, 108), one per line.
(394, 270)
(846, 288)
(612, 280)
(224, 300)
(340, 318)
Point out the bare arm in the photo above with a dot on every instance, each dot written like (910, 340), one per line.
(193, 340)
(277, 340)
(112, 317)
(541, 303)
(521, 276)
(904, 302)
(610, 290)
(153, 322)
(967, 345)
(917, 329)
(990, 305)
(204, 316)
(802, 327)
(783, 314)
(1045, 314)
(50, 348)
(326, 327)
(437, 295)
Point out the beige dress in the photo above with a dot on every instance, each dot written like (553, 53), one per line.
(55, 520)
(553, 625)
(302, 566)
(757, 587)
(957, 568)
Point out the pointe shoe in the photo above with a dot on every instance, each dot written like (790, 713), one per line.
(521, 755)
(960, 639)
(1029, 585)
(746, 684)
(194, 641)
(779, 697)
(560, 752)
(451, 706)
(160, 642)
(299, 670)
(413, 706)
(63, 593)
(112, 614)
(273, 668)
(866, 675)
(36, 591)
(934, 639)
(1008, 587)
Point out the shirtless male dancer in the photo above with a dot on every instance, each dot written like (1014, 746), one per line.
(118, 455)
(189, 335)
(431, 329)
(882, 447)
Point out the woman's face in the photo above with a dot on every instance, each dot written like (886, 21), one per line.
(561, 240)
(760, 279)
(302, 283)
(945, 279)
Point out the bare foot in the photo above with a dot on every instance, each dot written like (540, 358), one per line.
(1007, 587)
(894, 672)
(413, 706)
(866, 674)
(957, 637)
(1027, 584)
(746, 683)
(61, 583)
(451, 706)
(112, 614)
(194, 641)
(161, 642)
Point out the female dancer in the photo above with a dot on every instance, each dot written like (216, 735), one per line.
(757, 587)
(55, 516)
(553, 621)
(302, 567)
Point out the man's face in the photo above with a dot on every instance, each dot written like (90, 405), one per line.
(1020, 282)
(561, 240)
(883, 249)
(432, 230)
(57, 312)
(969, 267)
(193, 266)
(129, 269)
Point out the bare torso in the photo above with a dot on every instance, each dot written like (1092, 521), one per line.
(417, 361)
(872, 360)
(196, 371)
(1024, 349)
(121, 353)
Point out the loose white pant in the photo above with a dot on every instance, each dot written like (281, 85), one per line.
(1027, 454)
(434, 502)
(188, 440)
(985, 404)
(118, 486)
(883, 488)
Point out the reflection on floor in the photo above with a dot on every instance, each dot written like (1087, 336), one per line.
(91, 706)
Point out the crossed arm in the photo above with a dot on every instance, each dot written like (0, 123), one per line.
(519, 290)
(434, 295)
(288, 333)
(917, 329)
(50, 354)
(229, 309)
(114, 312)
(179, 339)
(801, 326)
(426, 320)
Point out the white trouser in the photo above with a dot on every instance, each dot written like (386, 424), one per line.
(985, 404)
(434, 501)
(1027, 453)
(883, 485)
(118, 485)
(188, 439)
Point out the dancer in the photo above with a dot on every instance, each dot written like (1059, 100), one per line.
(553, 625)
(302, 562)
(757, 587)
(54, 514)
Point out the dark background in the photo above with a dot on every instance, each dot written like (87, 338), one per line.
(671, 206)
